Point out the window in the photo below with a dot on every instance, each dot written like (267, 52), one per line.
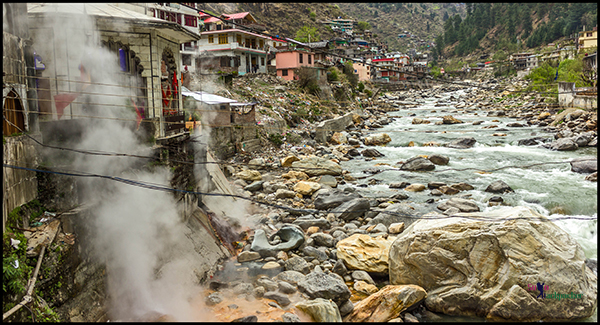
(223, 39)
(211, 38)
(284, 72)
(186, 59)
(309, 59)
(261, 44)
(239, 39)
(253, 43)
(219, 27)
(589, 35)
(262, 61)
(191, 21)
(179, 19)
(225, 61)
(247, 42)
(162, 14)
(301, 58)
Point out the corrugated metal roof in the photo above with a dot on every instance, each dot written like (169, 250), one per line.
(240, 15)
(92, 9)
(207, 98)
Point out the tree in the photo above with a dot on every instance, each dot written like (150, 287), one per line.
(363, 25)
(306, 34)
(445, 17)
(428, 27)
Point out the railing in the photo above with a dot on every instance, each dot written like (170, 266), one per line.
(174, 123)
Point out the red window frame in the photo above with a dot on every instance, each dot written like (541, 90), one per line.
(191, 21)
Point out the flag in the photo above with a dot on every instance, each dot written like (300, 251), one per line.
(174, 85)
(556, 75)
(139, 113)
(62, 100)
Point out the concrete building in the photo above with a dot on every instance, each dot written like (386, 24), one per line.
(225, 47)
(19, 106)
(290, 60)
(362, 70)
(146, 49)
(588, 39)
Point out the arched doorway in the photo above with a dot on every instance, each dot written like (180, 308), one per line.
(13, 111)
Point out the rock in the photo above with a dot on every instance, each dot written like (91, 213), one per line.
(363, 252)
(417, 164)
(592, 264)
(396, 320)
(259, 292)
(515, 125)
(280, 298)
(398, 212)
(398, 185)
(249, 175)
(290, 318)
(325, 285)
(415, 187)
(417, 120)
(448, 119)
(290, 276)
(328, 180)
(321, 310)
(346, 308)
(255, 186)
(409, 318)
(362, 276)
(379, 228)
(213, 299)
(316, 253)
(370, 152)
(268, 284)
(247, 256)
(291, 238)
(462, 143)
(386, 304)
(463, 205)
(431, 317)
(583, 139)
(315, 166)
(242, 289)
(498, 187)
(321, 239)
(306, 188)
(451, 211)
(434, 185)
(448, 190)
(292, 174)
(331, 198)
(246, 319)
(592, 177)
(438, 159)
(533, 141)
(585, 165)
(399, 196)
(305, 222)
(286, 287)
(365, 288)
(287, 161)
(352, 209)
(484, 268)
(284, 194)
(297, 264)
(396, 228)
(564, 144)
(339, 268)
(543, 115)
(377, 139)
(272, 267)
(462, 186)
(338, 138)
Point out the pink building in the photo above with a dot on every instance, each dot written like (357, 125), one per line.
(288, 61)
(362, 70)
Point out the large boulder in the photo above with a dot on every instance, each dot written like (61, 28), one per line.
(291, 238)
(469, 266)
(316, 166)
(462, 143)
(585, 165)
(249, 175)
(321, 310)
(338, 138)
(326, 286)
(564, 144)
(386, 304)
(371, 152)
(417, 164)
(331, 198)
(438, 159)
(498, 187)
(463, 205)
(377, 139)
(352, 209)
(363, 252)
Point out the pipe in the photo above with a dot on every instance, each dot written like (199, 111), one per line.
(28, 298)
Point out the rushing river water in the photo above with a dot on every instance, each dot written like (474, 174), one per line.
(552, 190)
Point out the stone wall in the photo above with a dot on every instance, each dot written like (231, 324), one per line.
(18, 186)
(566, 92)
(337, 124)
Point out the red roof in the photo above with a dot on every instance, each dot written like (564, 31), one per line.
(240, 15)
(382, 60)
(211, 20)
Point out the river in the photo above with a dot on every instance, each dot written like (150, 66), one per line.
(552, 190)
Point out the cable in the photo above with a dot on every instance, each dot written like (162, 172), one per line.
(306, 211)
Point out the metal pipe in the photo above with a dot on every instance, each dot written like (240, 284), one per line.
(28, 298)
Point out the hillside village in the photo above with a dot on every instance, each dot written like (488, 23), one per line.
(222, 91)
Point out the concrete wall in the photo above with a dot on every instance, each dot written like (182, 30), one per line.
(566, 93)
(18, 186)
(324, 129)
(587, 102)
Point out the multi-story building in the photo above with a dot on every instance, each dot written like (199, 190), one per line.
(289, 61)
(588, 39)
(343, 25)
(226, 47)
(362, 70)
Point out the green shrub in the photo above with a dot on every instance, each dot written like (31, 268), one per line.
(276, 138)
(333, 74)
(361, 87)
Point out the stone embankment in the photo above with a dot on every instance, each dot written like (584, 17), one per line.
(337, 256)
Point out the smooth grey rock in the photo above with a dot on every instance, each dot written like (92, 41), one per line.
(325, 285)
(284, 194)
(290, 318)
(352, 209)
(438, 159)
(308, 221)
(315, 166)
(286, 287)
(268, 284)
(321, 239)
(311, 251)
(533, 141)
(586, 165)
(290, 276)
(564, 144)
(291, 237)
(298, 264)
(246, 319)
(499, 187)
(255, 186)
(243, 288)
(462, 143)
(346, 308)
(362, 276)
(331, 198)
(328, 180)
(417, 164)
(321, 310)
(399, 185)
(247, 256)
(340, 268)
(259, 291)
(279, 297)
(463, 205)
(398, 212)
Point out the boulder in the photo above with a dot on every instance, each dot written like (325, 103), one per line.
(279, 297)
(315, 166)
(370, 152)
(462, 186)
(486, 268)
(397, 212)
(352, 209)
(417, 164)
(498, 187)
(377, 139)
(291, 238)
(321, 310)
(462, 143)
(449, 119)
(396, 228)
(415, 187)
(564, 144)
(321, 239)
(247, 256)
(533, 141)
(297, 264)
(448, 190)
(290, 276)
(363, 252)
(585, 165)
(286, 287)
(316, 253)
(284, 194)
(326, 286)
(346, 308)
(399, 185)
(438, 159)
(362, 276)
(328, 180)
(290, 318)
(255, 186)
(306, 188)
(593, 177)
(386, 304)
(292, 174)
(365, 288)
(338, 138)
(331, 198)
(249, 175)
(463, 205)
(514, 125)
